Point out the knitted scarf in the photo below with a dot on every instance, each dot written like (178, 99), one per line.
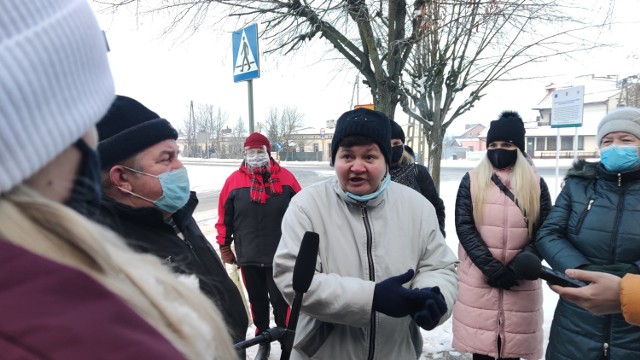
(405, 174)
(259, 176)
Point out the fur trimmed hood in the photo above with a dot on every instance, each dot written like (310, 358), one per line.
(583, 169)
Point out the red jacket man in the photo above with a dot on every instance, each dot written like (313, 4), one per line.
(250, 210)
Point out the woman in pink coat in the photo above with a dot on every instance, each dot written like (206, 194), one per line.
(499, 206)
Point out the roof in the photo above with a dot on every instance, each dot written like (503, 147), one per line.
(471, 128)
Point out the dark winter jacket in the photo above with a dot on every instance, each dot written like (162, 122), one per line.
(146, 230)
(254, 227)
(417, 177)
(594, 221)
(52, 311)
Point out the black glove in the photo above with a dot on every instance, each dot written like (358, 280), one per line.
(391, 298)
(428, 316)
(504, 278)
(617, 269)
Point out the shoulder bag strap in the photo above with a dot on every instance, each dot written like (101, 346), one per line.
(509, 194)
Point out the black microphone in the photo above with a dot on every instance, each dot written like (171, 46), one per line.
(303, 271)
(529, 267)
(264, 337)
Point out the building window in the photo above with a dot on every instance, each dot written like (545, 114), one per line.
(316, 147)
(540, 144)
(580, 142)
(566, 143)
(301, 148)
(551, 143)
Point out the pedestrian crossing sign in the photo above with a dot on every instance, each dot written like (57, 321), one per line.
(246, 62)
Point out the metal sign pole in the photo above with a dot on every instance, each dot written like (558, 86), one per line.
(250, 87)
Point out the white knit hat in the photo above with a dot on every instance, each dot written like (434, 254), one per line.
(55, 82)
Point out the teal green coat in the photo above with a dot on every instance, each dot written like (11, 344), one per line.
(595, 220)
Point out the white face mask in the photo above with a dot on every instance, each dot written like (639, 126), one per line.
(257, 160)
(256, 157)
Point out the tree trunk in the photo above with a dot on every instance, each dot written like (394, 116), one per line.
(435, 158)
(435, 138)
(385, 98)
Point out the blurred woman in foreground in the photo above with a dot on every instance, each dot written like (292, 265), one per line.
(70, 288)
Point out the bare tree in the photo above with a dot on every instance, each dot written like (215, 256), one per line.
(281, 126)
(190, 131)
(272, 127)
(471, 44)
(239, 134)
(375, 37)
(212, 123)
(219, 122)
(465, 45)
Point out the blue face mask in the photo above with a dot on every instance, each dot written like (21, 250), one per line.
(383, 186)
(616, 158)
(175, 189)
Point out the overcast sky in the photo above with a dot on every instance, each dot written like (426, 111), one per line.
(166, 74)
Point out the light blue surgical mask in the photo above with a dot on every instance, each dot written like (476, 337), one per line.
(383, 186)
(175, 189)
(620, 158)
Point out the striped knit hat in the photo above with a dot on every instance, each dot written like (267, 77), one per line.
(55, 82)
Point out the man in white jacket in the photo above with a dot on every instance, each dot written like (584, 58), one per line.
(375, 236)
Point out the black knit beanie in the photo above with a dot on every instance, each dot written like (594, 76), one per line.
(396, 131)
(129, 128)
(509, 127)
(363, 122)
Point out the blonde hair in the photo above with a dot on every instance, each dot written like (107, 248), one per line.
(524, 185)
(184, 316)
(407, 157)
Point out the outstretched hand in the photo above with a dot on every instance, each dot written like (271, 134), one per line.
(391, 298)
(430, 313)
(600, 297)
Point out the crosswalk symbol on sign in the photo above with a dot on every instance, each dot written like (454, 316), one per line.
(246, 63)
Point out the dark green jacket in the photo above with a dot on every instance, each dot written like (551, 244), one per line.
(595, 220)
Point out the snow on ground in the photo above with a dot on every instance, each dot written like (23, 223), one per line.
(436, 342)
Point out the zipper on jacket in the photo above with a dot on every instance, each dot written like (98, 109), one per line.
(612, 259)
(372, 277)
(195, 254)
(500, 322)
(583, 216)
(616, 225)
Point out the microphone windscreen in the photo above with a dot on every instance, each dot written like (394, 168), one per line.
(527, 266)
(305, 265)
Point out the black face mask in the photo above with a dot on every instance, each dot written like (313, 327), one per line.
(86, 193)
(396, 153)
(502, 158)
